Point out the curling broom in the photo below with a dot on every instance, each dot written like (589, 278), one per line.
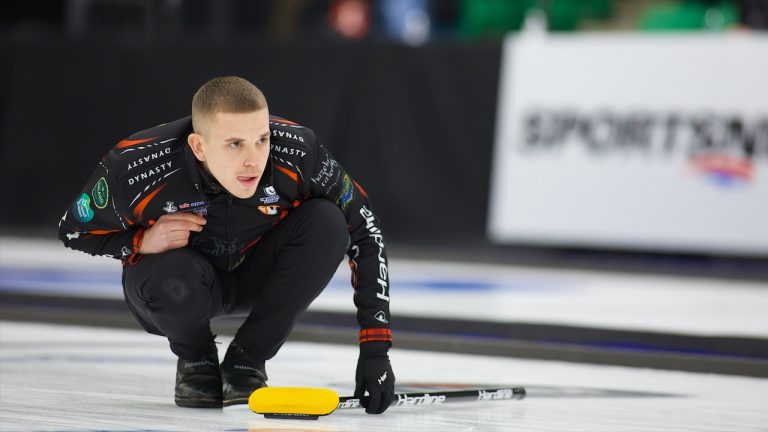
(310, 403)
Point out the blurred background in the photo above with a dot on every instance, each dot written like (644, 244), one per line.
(406, 93)
(584, 181)
(602, 135)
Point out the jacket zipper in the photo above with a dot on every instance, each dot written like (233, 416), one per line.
(229, 232)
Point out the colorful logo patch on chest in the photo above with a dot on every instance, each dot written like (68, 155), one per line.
(269, 210)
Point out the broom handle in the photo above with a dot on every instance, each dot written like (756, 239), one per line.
(437, 398)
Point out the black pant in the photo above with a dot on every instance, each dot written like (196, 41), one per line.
(177, 292)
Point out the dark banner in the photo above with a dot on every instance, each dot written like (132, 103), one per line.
(414, 126)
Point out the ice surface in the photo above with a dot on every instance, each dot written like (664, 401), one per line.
(66, 378)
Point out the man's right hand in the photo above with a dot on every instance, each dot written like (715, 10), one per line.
(171, 231)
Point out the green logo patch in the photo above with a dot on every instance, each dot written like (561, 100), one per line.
(82, 208)
(100, 193)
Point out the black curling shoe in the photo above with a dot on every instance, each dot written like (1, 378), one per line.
(198, 382)
(241, 374)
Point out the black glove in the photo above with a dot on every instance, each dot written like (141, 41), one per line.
(374, 373)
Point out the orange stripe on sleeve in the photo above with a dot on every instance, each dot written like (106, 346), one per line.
(289, 173)
(360, 188)
(139, 209)
(375, 334)
(102, 232)
(129, 143)
(138, 237)
(282, 120)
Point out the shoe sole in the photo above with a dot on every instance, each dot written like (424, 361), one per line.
(236, 401)
(198, 403)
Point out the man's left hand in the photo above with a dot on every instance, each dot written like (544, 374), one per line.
(374, 373)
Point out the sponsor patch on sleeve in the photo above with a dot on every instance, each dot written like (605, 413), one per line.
(347, 192)
(82, 208)
(100, 193)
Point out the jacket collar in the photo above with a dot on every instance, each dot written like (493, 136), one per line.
(208, 184)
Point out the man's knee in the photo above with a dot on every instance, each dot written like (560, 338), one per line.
(328, 222)
(178, 279)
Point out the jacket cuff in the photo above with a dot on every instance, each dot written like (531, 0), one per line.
(138, 237)
(375, 335)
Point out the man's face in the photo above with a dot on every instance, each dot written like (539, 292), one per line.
(234, 148)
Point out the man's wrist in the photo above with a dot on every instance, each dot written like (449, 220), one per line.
(374, 349)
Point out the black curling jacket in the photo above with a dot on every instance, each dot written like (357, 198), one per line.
(154, 172)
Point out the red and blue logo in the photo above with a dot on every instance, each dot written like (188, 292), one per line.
(723, 169)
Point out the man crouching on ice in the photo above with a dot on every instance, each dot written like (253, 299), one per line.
(234, 212)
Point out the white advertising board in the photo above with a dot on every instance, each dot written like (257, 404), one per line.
(643, 142)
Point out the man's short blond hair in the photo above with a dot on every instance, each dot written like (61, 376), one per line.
(229, 94)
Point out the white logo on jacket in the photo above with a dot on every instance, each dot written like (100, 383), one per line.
(381, 317)
(169, 207)
(271, 197)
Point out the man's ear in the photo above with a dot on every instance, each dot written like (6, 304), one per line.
(195, 142)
